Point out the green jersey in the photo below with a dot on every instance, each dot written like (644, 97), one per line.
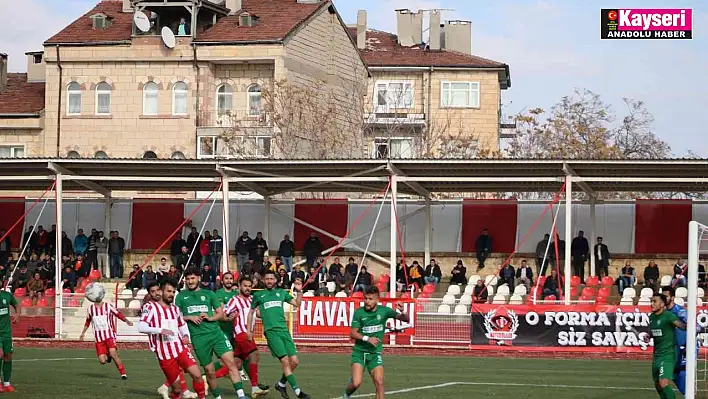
(6, 301)
(371, 324)
(223, 297)
(270, 303)
(663, 330)
(194, 303)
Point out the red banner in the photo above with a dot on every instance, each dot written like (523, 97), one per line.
(326, 315)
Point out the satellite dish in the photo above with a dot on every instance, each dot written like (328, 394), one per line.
(142, 22)
(168, 37)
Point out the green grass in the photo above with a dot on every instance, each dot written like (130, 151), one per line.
(64, 373)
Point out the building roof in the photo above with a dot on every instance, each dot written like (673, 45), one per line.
(21, 96)
(276, 19)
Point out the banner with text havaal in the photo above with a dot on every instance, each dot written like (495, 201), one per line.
(333, 316)
(592, 328)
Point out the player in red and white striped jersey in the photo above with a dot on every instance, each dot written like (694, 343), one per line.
(101, 316)
(169, 340)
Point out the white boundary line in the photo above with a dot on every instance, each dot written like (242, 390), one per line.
(501, 384)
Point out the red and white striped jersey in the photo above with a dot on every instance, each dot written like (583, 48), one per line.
(103, 320)
(240, 306)
(164, 318)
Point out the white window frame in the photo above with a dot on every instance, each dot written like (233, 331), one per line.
(377, 141)
(250, 94)
(231, 94)
(110, 98)
(181, 92)
(13, 149)
(215, 142)
(69, 94)
(473, 94)
(396, 105)
(154, 97)
(257, 140)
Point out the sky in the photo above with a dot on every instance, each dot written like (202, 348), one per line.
(552, 47)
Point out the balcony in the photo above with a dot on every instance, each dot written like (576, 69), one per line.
(394, 118)
(234, 135)
(215, 123)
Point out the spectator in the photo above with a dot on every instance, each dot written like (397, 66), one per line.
(80, 242)
(68, 278)
(42, 241)
(579, 251)
(283, 280)
(312, 281)
(173, 275)
(602, 258)
(257, 249)
(286, 251)
(364, 280)
(46, 269)
(334, 269)
(480, 294)
(267, 265)
(116, 248)
(561, 249)
(679, 279)
(524, 275)
(506, 275)
(92, 251)
(36, 287)
(176, 248)
(204, 248)
(250, 268)
(542, 256)
(83, 269)
(550, 287)
(416, 273)
(433, 274)
(183, 260)
(29, 240)
(163, 267)
(135, 279)
(243, 249)
(297, 273)
(312, 248)
(5, 267)
(627, 278)
(258, 283)
(67, 247)
(651, 276)
(701, 275)
(22, 277)
(149, 277)
(208, 280)
(483, 245)
(193, 244)
(102, 246)
(459, 274)
(351, 270)
(401, 276)
(32, 264)
(5, 247)
(216, 249)
(52, 240)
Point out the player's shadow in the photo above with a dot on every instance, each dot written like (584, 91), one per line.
(141, 393)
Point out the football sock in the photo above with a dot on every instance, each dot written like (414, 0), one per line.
(216, 392)
(199, 388)
(183, 382)
(282, 381)
(238, 386)
(252, 371)
(293, 383)
(668, 392)
(120, 368)
(222, 372)
(6, 371)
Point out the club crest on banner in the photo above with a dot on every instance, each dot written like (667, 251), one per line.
(501, 327)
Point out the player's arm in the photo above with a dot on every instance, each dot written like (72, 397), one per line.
(355, 334)
(87, 323)
(679, 324)
(251, 319)
(297, 289)
(121, 316)
(401, 314)
(15, 305)
(218, 307)
(184, 331)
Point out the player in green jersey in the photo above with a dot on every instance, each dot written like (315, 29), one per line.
(203, 312)
(6, 302)
(224, 294)
(368, 329)
(269, 302)
(662, 324)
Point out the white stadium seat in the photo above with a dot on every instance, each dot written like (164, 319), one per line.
(503, 290)
(516, 300)
(499, 299)
(681, 292)
(331, 286)
(473, 279)
(448, 299)
(469, 289)
(625, 301)
(665, 280)
(679, 301)
(141, 293)
(646, 293)
(699, 302)
(453, 290)
(461, 309)
(629, 292)
(340, 294)
(644, 301)
(701, 292)
(126, 294)
(309, 294)
(466, 300)
(490, 280)
(120, 304)
(134, 304)
(520, 290)
(490, 290)
(444, 309)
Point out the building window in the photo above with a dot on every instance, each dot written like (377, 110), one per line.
(103, 99)
(256, 147)
(224, 100)
(398, 147)
(100, 155)
(460, 94)
(393, 95)
(74, 95)
(254, 100)
(207, 147)
(150, 99)
(179, 98)
(177, 155)
(73, 154)
(37, 58)
(12, 151)
(149, 155)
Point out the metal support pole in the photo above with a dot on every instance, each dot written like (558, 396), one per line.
(428, 227)
(266, 223)
(593, 225)
(394, 237)
(225, 227)
(691, 339)
(106, 233)
(58, 295)
(568, 235)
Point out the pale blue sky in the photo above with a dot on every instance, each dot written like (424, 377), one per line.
(551, 46)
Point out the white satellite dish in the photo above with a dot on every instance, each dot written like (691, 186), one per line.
(142, 22)
(168, 37)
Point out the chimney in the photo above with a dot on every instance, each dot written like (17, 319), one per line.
(36, 67)
(128, 6)
(410, 27)
(233, 6)
(3, 71)
(435, 30)
(458, 36)
(361, 30)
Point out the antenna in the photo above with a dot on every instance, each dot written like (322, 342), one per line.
(142, 22)
(168, 37)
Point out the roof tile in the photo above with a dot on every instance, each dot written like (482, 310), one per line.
(21, 96)
(81, 30)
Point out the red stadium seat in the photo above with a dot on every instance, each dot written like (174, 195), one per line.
(42, 303)
(585, 298)
(358, 294)
(406, 295)
(550, 298)
(601, 300)
(607, 281)
(604, 291)
(588, 292)
(50, 292)
(73, 303)
(26, 303)
(541, 281)
(575, 281)
(574, 291)
(592, 281)
(66, 291)
(385, 278)
(429, 289)
(80, 290)
(95, 274)
(381, 286)
(20, 292)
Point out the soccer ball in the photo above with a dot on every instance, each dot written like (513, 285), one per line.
(95, 292)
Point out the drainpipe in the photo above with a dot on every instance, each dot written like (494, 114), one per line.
(427, 116)
(59, 102)
(197, 117)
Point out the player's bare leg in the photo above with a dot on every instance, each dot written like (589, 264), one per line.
(377, 375)
(164, 389)
(355, 381)
(7, 372)
(2, 356)
(119, 364)
(228, 360)
(211, 380)
(197, 382)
